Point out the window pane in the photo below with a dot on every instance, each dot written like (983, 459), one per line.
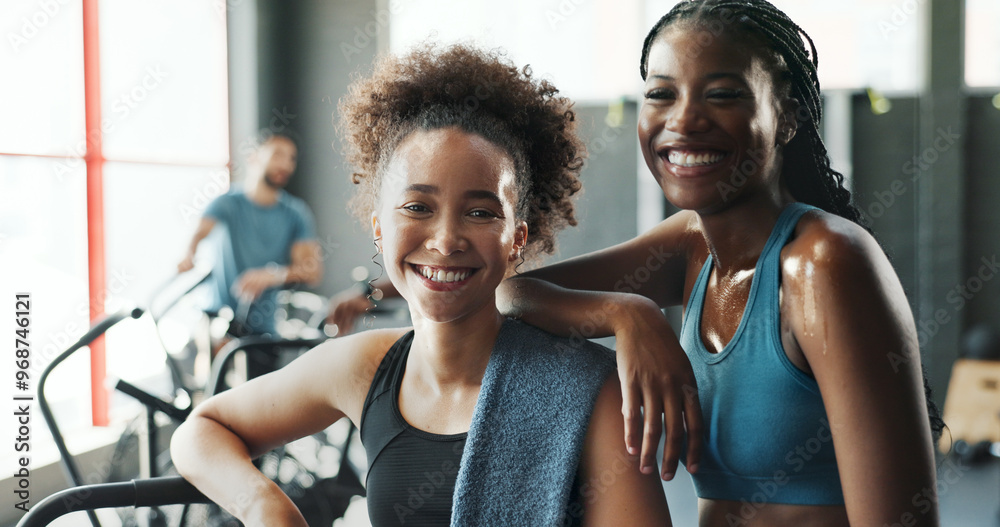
(43, 251)
(41, 98)
(163, 84)
(982, 43)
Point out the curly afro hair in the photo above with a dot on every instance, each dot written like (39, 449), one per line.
(479, 92)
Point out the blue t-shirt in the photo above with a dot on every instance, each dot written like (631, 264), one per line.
(253, 236)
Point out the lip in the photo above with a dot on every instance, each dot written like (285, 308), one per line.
(680, 171)
(443, 286)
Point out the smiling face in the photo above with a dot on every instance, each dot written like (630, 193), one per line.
(711, 121)
(447, 223)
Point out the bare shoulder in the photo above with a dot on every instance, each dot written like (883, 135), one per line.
(840, 290)
(825, 244)
(363, 347)
(349, 363)
(677, 230)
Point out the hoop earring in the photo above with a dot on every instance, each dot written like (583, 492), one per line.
(372, 293)
(520, 260)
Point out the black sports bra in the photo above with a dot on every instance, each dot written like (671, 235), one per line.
(411, 473)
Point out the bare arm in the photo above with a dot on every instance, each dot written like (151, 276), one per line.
(306, 267)
(204, 228)
(613, 492)
(349, 304)
(213, 449)
(619, 291)
(651, 265)
(858, 335)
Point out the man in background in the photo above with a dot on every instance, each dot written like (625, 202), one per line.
(267, 238)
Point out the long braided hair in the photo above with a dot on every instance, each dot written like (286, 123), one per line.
(806, 167)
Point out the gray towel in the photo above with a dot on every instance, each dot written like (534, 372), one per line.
(527, 430)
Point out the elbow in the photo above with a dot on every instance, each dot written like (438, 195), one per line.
(312, 278)
(181, 449)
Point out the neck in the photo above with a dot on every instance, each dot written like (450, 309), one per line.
(261, 193)
(453, 355)
(736, 236)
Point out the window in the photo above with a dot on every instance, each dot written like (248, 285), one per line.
(982, 43)
(164, 123)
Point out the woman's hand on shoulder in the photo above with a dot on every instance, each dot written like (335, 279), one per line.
(656, 380)
(851, 320)
(612, 490)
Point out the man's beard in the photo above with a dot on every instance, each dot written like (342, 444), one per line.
(271, 183)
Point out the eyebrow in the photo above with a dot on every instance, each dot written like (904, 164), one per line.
(469, 194)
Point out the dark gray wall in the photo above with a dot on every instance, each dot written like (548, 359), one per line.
(606, 210)
(884, 188)
(308, 51)
(982, 215)
(887, 158)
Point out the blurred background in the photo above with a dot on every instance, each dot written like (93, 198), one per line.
(116, 130)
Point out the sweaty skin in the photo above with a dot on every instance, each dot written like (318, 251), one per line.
(710, 111)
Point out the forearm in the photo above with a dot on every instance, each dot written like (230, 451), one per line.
(570, 312)
(306, 265)
(303, 273)
(218, 463)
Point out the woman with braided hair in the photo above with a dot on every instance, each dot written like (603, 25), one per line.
(779, 395)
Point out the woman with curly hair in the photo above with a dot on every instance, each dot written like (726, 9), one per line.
(466, 166)
(783, 392)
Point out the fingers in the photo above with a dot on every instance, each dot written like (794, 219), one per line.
(345, 312)
(652, 427)
(692, 415)
(631, 397)
(673, 418)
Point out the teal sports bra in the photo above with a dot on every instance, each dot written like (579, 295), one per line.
(767, 436)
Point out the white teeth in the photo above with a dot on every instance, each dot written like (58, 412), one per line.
(443, 276)
(685, 159)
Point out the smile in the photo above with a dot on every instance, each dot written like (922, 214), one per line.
(444, 275)
(694, 158)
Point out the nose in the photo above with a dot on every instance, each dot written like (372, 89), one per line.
(448, 237)
(687, 116)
